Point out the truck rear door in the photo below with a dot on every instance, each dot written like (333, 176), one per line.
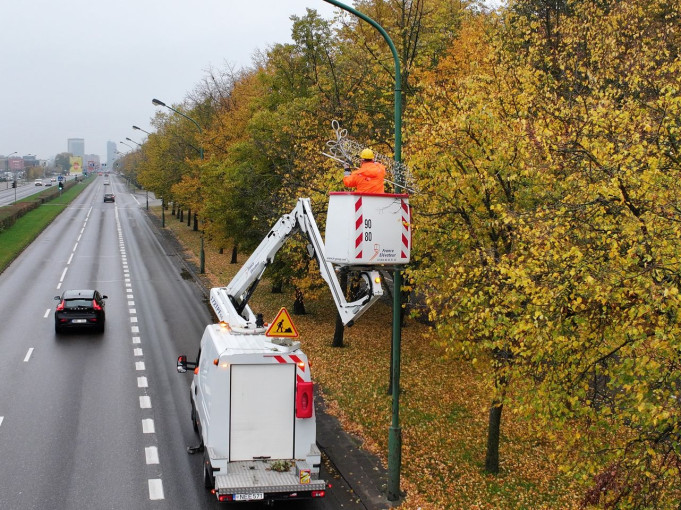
(262, 406)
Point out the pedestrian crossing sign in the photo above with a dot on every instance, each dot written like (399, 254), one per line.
(282, 326)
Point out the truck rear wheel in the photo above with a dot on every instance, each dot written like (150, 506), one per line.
(208, 481)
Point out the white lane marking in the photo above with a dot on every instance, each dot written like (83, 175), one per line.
(131, 303)
(61, 280)
(129, 296)
(145, 402)
(142, 382)
(136, 340)
(1, 418)
(139, 365)
(75, 246)
(28, 355)
(79, 238)
(47, 313)
(148, 427)
(132, 311)
(70, 258)
(134, 329)
(138, 352)
(156, 489)
(82, 230)
(133, 319)
(151, 454)
(59, 286)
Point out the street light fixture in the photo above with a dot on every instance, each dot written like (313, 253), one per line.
(140, 129)
(133, 141)
(158, 102)
(128, 145)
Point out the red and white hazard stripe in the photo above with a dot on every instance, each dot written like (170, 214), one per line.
(359, 228)
(406, 232)
(300, 365)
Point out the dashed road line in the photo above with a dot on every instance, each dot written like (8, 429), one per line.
(148, 426)
(156, 489)
(47, 313)
(28, 355)
(151, 454)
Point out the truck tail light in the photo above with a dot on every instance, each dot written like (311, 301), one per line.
(318, 494)
(304, 399)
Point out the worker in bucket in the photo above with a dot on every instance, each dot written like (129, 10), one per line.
(368, 178)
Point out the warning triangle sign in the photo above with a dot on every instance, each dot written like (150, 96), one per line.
(282, 326)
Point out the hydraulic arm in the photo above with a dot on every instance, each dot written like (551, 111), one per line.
(231, 302)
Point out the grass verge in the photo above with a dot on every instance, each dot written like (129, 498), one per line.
(15, 239)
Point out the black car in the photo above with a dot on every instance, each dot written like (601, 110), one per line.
(109, 197)
(79, 309)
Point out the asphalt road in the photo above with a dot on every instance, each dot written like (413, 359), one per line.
(102, 421)
(8, 194)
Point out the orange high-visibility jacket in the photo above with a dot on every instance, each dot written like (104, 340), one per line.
(368, 178)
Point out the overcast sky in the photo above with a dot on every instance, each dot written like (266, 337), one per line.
(90, 68)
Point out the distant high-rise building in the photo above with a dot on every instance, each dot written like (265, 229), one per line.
(110, 155)
(76, 146)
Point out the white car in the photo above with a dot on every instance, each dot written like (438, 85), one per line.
(38, 182)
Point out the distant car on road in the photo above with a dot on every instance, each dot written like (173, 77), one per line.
(109, 197)
(38, 182)
(53, 180)
(48, 183)
(79, 309)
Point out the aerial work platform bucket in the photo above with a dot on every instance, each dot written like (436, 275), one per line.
(368, 229)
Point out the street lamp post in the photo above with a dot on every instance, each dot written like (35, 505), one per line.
(128, 145)
(395, 432)
(133, 141)
(157, 102)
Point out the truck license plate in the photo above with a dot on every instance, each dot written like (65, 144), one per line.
(249, 497)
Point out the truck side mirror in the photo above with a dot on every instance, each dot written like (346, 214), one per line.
(183, 364)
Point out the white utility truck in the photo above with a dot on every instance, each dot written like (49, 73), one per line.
(251, 394)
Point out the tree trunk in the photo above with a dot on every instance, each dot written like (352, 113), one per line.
(339, 333)
(221, 250)
(180, 214)
(189, 217)
(234, 250)
(493, 432)
(172, 211)
(196, 222)
(299, 303)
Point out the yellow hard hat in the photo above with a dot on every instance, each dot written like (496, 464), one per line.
(367, 154)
